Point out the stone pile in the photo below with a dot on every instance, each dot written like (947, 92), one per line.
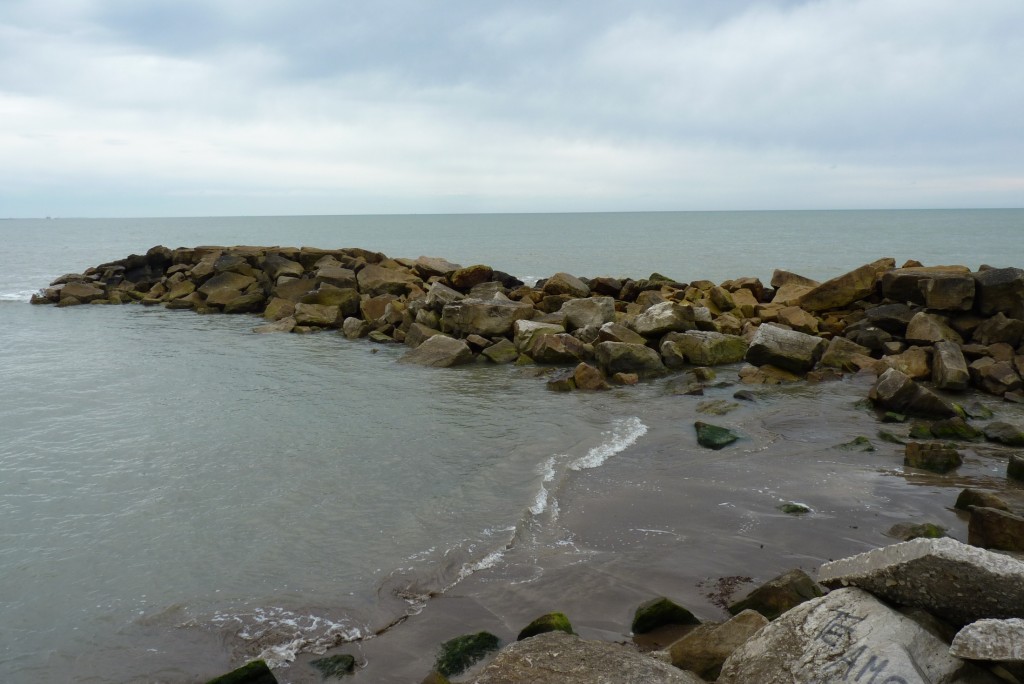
(949, 325)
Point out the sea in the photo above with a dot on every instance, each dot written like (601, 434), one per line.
(179, 495)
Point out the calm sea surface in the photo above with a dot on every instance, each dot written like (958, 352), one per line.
(178, 494)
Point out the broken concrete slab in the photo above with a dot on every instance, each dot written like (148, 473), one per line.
(998, 640)
(954, 581)
(848, 635)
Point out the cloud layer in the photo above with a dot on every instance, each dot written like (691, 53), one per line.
(120, 107)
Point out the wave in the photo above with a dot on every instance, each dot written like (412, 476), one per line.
(17, 296)
(623, 435)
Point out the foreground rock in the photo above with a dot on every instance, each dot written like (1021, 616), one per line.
(439, 351)
(997, 640)
(559, 658)
(705, 649)
(954, 581)
(848, 635)
(777, 595)
(789, 350)
(898, 392)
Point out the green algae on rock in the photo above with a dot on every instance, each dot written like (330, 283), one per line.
(658, 612)
(463, 651)
(714, 436)
(551, 622)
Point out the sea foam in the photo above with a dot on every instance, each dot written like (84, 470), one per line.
(624, 434)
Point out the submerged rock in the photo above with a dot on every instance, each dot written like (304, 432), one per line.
(714, 436)
(335, 666)
(439, 351)
(659, 612)
(789, 350)
(255, 672)
(460, 653)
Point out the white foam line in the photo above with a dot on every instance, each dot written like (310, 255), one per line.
(19, 296)
(624, 435)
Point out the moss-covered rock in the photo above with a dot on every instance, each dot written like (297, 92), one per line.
(920, 430)
(658, 612)
(335, 666)
(938, 458)
(714, 437)
(552, 622)
(255, 672)
(955, 428)
(794, 508)
(893, 417)
(435, 678)
(776, 596)
(463, 651)
(1004, 433)
(860, 443)
(887, 436)
(908, 531)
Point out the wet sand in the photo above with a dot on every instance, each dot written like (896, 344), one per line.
(668, 517)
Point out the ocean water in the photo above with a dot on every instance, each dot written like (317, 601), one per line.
(178, 494)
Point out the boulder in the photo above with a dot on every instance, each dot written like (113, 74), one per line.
(702, 348)
(354, 328)
(275, 266)
(789, 350)
(663, 318)
(766, 375)
(458, 654)
(502, 351)
(439, 351)
(746, 302)
(613, 332)
(892, 318)
(227, 280)
(790, 294)
(798, 319)
(992, 640)
(317, 315)
(417, 334)
(948, 292)
(991, 528)
(713, 436)
(1004, 433)
(559, 658)
(905, 284)
(1000, 290)
(83, 293)
(255, 672)
(998, 329)
(895, 391)
(938, 458)
(846, 289)
(555, 348)
(926, 328)
(949, 367)
(659, 612)
(279, 325)
(219, 296)
(470, 276)
(487, 317)
(606, 286)
(549, 622)
(781, 278)
(525, 330)
(1015, 468)
(377, 280)
(622, 357)
(347, 299)
(440, 295)
(777, 595)
(335, 666)
(428, 267)
(587, 377)
(914, 363)
(565, 284)
(293, 289)
(999, 378)
(846, 636)
(953, 581)
(180, 289)
(246, 303)
(595, 311)
(843, 354)
(703, 650)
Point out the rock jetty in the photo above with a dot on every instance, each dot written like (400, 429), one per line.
(920, 329)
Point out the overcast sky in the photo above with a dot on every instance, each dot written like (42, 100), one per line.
(239, 107)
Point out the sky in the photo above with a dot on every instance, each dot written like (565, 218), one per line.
(267, 107)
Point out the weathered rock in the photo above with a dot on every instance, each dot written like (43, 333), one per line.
(502, 351)
(377, 280)
(1015, 467)
(440, 295)
(565, 284)
(524, 331)
(998, 329)
(558, 658)
(994, 640)
(798, 319)
(659, 612)
(550, 622)
(336, 276)
(280, 325)
(439, 351)
(790, 294)
(255, 672)
(294, 289)
(335, 666)
(906, 284)
(226, 281)
(702, 348)
(938, 458)
(1004, 433)
(245, 303)
(713, 436)
(914, 363)
(991, 528)
(466, 278)
(563, 381)
(1000, 290)
(954, 581)
(219, 296)
(949, 367)
(786, 349)
(842, 353)
(460, 653)
(82, 293)
(847, 288)
(595, 311)
(622, 357)
(417, 334)
(976, 497)
(347, 299)
(588, 377)
(908, 531)
(663, 318)
(484, 317)
(948, 292)
(897, 392)
(892, 318)
(847, 635)
(766, 375)
(777, 595)
(705, 649)
(926, 328)
(353, 328)
(555, 348)
(781, 278)
(317, 315)
(179, 290)
(613, 332)
(275, 266)
(427, 267)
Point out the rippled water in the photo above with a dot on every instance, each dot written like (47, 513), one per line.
(178, 494)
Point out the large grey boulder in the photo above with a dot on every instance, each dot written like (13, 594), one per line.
(485, 317)
(954, 581)
(377, 280)
(613, 332)
(560, 658)
(948, 292)
(896, 391)
(1000, 290)
(440, 295)
(622, 357)
(926, 328)
(908, 284)
(595, 311)
(949, 367)
(555, 348)
(789, 350)
(998, 640)
(525, 330)
(844, 354)
(702, 348)
(83, 292)
(439, 351)
(663, 318)
(565, 284)
(276, 265)
(847, 636)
